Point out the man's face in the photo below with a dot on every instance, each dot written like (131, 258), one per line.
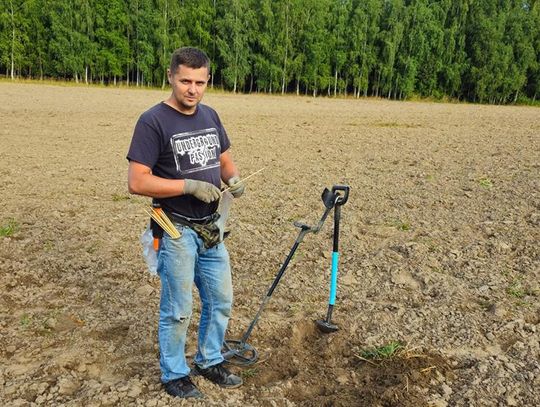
(188, 86)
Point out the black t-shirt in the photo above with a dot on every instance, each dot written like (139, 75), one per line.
(179, 146)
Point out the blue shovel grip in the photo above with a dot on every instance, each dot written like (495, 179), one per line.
(333, 278)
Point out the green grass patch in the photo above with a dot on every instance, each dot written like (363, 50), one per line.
(404, 226)
(26, 320)
(387, 124)
(10, 228)
(248, 373)
(516, 290)
(387, 351)
(120, 197)
(485, 183)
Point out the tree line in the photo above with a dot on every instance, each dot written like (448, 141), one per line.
(484, 51)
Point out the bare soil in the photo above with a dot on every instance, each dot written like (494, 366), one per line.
(439, 251)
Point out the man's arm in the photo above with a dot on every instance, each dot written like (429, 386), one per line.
(141, 181)
(230, 175)
(228, 168)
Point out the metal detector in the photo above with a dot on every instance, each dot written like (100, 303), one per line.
(238, 351)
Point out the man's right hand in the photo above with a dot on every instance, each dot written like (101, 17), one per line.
(204, 191)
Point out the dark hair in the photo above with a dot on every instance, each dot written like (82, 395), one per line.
(190, 57)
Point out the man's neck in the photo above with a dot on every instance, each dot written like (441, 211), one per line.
(171, 101)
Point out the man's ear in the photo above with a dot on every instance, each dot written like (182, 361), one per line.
(169, 76)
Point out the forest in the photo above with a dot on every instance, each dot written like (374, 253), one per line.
(484, 51)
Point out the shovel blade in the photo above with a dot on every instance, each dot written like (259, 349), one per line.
(326, 326)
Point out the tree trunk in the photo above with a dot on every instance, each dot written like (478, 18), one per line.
(12, 41)
(286, 50)
(165, 37)
(377, 85)
(335, 82)
(127, 62)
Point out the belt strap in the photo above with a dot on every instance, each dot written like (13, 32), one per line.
(199, 221)
(207, 231)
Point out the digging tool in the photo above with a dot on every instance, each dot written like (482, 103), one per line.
(326, 325)
(238, 351)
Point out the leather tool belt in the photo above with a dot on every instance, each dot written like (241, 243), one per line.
(205, 227)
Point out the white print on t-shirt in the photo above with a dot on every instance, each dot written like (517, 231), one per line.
(196, 150)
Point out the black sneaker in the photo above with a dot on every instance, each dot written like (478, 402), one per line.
(183, 388)
(219, 375)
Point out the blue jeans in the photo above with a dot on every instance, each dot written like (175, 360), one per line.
(180, 263)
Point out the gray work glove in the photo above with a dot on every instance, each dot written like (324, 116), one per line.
(236, 186)
(204, 191)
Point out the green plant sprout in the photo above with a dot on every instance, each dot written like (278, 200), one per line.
(382, 352)
(9, 229)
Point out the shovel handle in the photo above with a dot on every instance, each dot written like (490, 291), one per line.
(342, 199)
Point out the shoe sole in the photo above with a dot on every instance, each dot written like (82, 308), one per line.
(233, 386)
(186, 396)
(195, 372)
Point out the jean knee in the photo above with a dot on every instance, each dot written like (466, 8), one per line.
(181, 310)
(224, 304)
(224, 292)
(181, 319)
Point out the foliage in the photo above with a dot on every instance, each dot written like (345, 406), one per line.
(382, 352)
(485, 183)
(9, 229)
(483, 51)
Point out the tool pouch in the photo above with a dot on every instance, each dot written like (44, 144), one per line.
(209, 233)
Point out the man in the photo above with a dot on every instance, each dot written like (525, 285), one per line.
(179, 155)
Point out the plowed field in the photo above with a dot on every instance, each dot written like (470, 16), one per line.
(439, 252)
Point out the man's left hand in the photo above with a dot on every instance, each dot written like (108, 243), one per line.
(236, 186)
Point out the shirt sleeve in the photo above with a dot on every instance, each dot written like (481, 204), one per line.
(224, 141)
(223, 137)
(145, 145)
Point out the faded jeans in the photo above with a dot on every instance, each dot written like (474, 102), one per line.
(180, 263)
